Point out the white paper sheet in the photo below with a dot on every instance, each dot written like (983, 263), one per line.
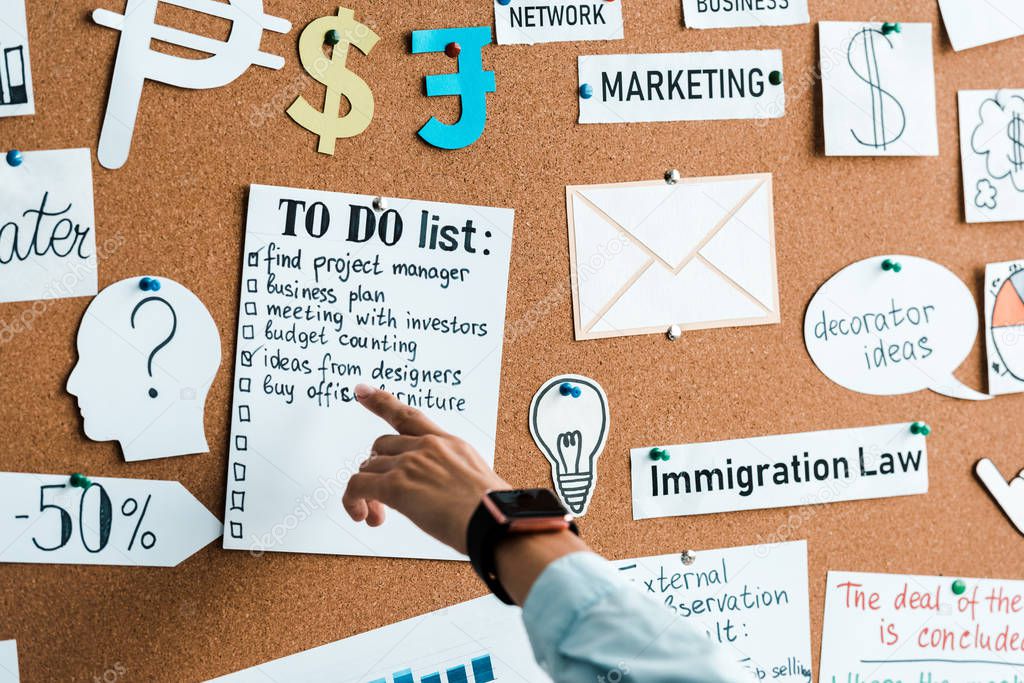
(555, 21)
(641, 252)
(8, 661)
(878, 91)
(970, 23)
(1004, 326)
(992, 154)
(127, 522)
(1008, 495)
(47, 226)
(884, 332)
(892, 627)
(432, 333)
(779, 471)
(773, 638)
(16, 96)
(681, 86)
(737, 13)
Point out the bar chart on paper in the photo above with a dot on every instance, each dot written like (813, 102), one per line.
(480, 666)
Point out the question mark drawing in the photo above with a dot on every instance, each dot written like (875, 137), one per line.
(174, 328)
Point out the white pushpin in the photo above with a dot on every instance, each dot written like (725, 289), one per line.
(688, 557)
(380, 204)
(674, 332)
(672, 176)
(1009, 495)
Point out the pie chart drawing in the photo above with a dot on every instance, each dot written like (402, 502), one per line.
(1008, 324)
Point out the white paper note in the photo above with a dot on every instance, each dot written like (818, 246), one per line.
(681, 86)
(737, 13)
(16, 98)
(555, 21)
(892, 627)
(409, 296)
(752, 599)
(8, 661)
(779, 471)
(129, 522)
(878, 90)
(992, 154)
(47, 226)
(1004, 326)
(970, 23)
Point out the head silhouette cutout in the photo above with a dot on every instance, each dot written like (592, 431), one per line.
(148, 351)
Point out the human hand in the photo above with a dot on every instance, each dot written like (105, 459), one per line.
(435, 479)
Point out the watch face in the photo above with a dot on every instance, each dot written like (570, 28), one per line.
(528, 503)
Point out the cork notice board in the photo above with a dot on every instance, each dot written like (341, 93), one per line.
(177, 207)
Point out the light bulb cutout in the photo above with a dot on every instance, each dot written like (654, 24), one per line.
(571, 429)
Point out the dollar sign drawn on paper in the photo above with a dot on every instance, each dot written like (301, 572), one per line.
(1015, 132)
(862, 51)
(333, 73)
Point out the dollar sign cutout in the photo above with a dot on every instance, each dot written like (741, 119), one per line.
(862, 51)
(1015, 132)
(333, 73)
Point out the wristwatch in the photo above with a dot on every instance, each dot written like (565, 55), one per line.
(503, 513)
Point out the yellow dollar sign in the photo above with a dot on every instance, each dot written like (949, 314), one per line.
(328, 124)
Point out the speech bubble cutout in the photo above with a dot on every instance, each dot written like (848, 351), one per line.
(881, 332)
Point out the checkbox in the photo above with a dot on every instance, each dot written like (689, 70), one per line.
(243, 414)
(236, 529)
(238, 500)
(250, 308)
(250, 285)
(245, 384)
(254, 259)
(246, 359)
(241, 443)
(248, 332)
(239, 471)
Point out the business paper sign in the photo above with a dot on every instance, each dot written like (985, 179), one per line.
(752, 600)
(555, 21)
(892, 627)
(737, 13)
(970, 23)
(339, 289)
(992, 154)
(780, 471)
(16, 97)
(681, 86)
(8, 661)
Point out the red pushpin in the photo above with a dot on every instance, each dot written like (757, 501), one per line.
(452, 50)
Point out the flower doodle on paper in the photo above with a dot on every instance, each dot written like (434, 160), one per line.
(986, 195)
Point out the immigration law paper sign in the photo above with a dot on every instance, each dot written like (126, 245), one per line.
(892, 627)
(779, 471)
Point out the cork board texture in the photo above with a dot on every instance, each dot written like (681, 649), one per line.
(177, 209)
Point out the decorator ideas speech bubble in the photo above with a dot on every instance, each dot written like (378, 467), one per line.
(893, 325)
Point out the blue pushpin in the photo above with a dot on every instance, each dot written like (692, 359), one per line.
(586, 92)
(14, 158)
(504, 2)
(565, 389)
(149, 284)
(576, 392)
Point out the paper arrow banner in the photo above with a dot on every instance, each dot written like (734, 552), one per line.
(130, 522)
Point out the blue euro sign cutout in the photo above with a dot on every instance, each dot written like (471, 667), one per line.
(470, 82)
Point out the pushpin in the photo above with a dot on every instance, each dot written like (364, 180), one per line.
(891, 27)
(565, 389)
(959, 587)
(379, 203)
(674, 332)
(586, 92)
(921, 428)
(80, 481)
(452, 50)
(504, 2)
(775, 78)
(672, 176)
(889, 264)
(688, 558)
(659, 454)
(14, 158)
(332, 37)
(149, 284)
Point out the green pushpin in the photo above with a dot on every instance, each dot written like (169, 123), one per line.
(959, 587)
(775, 78)
(659, 454)
(921, 428)
(80, 480)
(891, 27)
(332, 37)
(889, 264)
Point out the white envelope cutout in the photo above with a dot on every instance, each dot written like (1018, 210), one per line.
(648, 255)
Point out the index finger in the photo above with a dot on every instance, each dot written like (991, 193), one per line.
(404, 418)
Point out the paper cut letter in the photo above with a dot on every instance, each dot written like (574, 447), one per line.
(136, 61)
(569, 424)
(338, 79)
(146, 360)
(1009, 495)
(471, 83)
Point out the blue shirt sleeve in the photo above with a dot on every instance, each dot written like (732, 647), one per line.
(588, 625)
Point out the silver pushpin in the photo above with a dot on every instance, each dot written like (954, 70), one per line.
(379, 204)
(672, 176)
(688, 558)
(674, 332)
